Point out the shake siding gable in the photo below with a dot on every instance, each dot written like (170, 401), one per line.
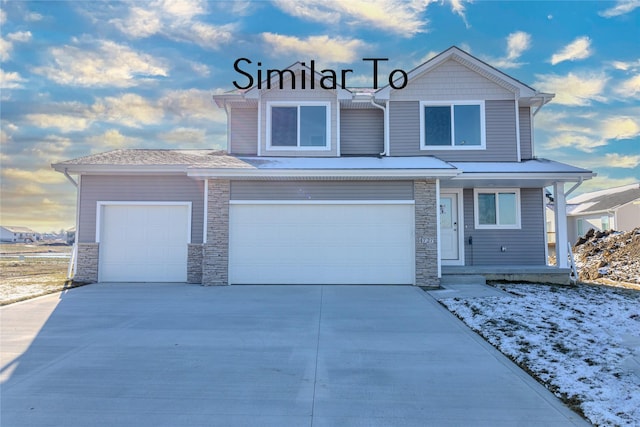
(526, 147)
(404, 132)
(451, 81)
(243, 137)
(361, 132)
(147, 188)
(524, 246)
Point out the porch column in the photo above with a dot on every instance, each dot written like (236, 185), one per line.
(560, 211)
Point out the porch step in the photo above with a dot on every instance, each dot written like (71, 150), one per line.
(463, 279)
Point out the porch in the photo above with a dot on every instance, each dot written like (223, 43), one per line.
(519, 273)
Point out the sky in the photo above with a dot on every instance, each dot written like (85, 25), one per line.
(83, 77)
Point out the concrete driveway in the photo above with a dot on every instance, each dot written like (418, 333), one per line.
(185, 355)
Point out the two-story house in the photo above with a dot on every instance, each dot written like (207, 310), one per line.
(333, 186)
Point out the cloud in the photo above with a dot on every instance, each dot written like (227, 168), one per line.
(602, 182)
(517, 44)
(586, 132)
(625, 66)
(5, 49)
(3, 17)
(52, 148)
(6, 46)
(457, 6)
(325, 48)
(130, 110)
(112, 139)
(191, 104)
(629, 88)
(620, 127)
(582, 142)
(580, 48)
(100, 63)
(610, 160)
(64, 122)
(573, 89)
(10, 80)
(33, 17)
(184, 136)
(394, 16)
(20, 36)
(622, 7)
(175, 20)
(40, 176)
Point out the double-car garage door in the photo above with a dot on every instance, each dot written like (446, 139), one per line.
(322, 242)
(271, 242)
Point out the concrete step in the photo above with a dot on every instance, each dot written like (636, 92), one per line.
(463, 279)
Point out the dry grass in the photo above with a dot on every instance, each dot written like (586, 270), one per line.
(23, 277)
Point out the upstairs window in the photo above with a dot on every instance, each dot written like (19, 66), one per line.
(497, 208)
(452, 125)
(298, 126)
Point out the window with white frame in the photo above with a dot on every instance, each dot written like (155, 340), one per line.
(452, 125)
(304, 126)
(497, 208)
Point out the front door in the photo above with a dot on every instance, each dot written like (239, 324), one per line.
(449, 228)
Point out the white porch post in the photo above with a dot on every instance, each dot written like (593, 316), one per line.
(560, 211)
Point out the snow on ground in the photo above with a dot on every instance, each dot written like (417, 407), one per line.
(581, 342)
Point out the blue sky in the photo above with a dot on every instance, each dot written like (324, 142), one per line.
(85, 77)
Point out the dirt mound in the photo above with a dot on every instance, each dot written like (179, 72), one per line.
(611, 255)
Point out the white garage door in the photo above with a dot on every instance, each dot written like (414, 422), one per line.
(321, 243)
(144, 243)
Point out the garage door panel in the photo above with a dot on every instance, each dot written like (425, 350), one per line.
(145, 243)
(322, 243)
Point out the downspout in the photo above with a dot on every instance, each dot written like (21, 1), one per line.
(572, 189)
(73, 260)
(386, 126)
(66, 174)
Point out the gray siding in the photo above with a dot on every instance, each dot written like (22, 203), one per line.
(524, 246)
(322, 190)
(526, 146)
(156, 188)
(500, 116)
(361, 132)
(243, 134)
(451, 80)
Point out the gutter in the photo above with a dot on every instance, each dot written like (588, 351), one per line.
(66, 174)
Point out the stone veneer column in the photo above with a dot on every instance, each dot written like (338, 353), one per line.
(215, 262)
(87, 263)
(194, 263)
(424, 192)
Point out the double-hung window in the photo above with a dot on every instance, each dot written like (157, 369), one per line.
(452, 125)
(303, 126)
(497, 208)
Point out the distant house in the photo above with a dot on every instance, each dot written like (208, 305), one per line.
(17, 234)
(612, 209)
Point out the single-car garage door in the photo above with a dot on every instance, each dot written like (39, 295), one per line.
(143, 242)
(321, 243)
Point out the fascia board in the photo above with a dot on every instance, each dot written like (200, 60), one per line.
(321, 173)
(120, 169)
(558, 176)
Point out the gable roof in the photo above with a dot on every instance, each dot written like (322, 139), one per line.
(604, 200)
(474, 64)
(17, 229)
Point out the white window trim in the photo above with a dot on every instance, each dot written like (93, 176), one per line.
(326, 104)
(497, 226)
(483, 138)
